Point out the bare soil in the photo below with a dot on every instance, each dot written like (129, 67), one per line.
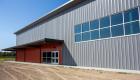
(20, 71)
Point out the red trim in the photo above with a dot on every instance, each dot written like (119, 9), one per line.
(40, 56)
(16, 55)
(24, 55)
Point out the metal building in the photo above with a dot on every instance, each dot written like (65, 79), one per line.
(91, 33)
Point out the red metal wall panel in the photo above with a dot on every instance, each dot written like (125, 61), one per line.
(32, 55)
(20, 55)
(35, 54)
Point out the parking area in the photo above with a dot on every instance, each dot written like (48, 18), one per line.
(23, 71)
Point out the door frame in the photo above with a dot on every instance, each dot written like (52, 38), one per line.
(51, 57)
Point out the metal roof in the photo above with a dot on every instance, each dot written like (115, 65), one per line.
(54, 12)
(33, 44)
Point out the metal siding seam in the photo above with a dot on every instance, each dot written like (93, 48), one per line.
(88, 56)
(129, 4)
(117, 5)
(126, 53)
(128, 58)
(132, 53)
(136, 56)
(107, 53)
(85, 52)
(101, 9)
(117, 52)
(91, 54)
(100, 12)
(113, 52)
(123, 54)
(112, 48)
(98, 60)
(120, 53)
(138, 2)
(105, 7)
(138, 42)
(96, 53)
(100, 52)
(83, 56)
(111, 6)
(95, 11)
(104, 54)
(110, 56)
(132, 3)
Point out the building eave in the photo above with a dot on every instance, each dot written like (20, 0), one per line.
(33, 44)
(54, 12)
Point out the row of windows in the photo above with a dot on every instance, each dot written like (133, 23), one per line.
(124, 23)
(119, 18)
(119, 30)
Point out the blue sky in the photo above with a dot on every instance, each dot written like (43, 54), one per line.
(15, 14)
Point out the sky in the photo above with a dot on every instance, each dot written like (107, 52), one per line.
(16, 14)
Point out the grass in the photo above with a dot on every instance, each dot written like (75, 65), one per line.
(7, 59)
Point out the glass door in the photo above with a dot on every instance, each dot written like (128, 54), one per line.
(55, 57)
(51, 57)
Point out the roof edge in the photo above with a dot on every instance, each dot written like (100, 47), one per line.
(50, 14)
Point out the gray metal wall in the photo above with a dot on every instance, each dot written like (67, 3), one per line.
(118, 53)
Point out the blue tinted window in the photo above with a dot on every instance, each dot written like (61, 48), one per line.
(77, 37)
(85, 27)
(117, 30)
(77, 28)
(104, 33)
(116, 19)
(132, 28)
(105, 22)
(131, 15)
(94, 24)
(86, 36)
(95, 34)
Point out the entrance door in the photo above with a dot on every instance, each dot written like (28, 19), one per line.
(51, 57)
(55, 57)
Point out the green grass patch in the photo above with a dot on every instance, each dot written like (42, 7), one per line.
(7, 58)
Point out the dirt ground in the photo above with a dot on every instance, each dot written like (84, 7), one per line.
(20, 71)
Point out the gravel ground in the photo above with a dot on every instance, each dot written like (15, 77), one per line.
(20, 71)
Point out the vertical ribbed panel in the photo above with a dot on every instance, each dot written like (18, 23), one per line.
(118, 53)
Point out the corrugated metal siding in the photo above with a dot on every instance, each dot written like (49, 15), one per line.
(118, 53)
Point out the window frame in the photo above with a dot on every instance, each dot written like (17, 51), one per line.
(80, 37)
(132, 23)
(78, 25)
(84, 26)
(91, 22)
(94, 31)
(109, 17)
(103, 29)
(122, 14)
(123, 33)
(85, 33)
